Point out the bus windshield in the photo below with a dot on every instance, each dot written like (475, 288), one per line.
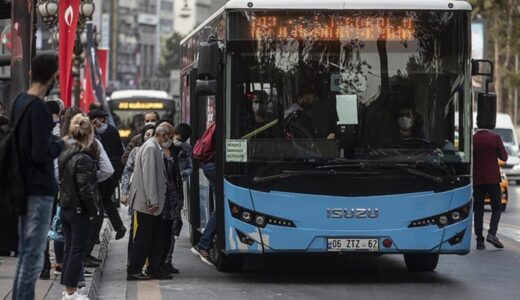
(382, 85)
(129, 112)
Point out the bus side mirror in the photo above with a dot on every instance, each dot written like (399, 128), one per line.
(208, 68)
(487, 110)
(487, 102)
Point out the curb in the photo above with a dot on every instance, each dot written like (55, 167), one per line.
(98, 272)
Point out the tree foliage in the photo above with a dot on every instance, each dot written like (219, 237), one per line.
(502, 19)
(170, 55)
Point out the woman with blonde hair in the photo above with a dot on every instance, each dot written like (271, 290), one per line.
(78, 201)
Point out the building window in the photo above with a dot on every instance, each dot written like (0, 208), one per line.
(166, 6)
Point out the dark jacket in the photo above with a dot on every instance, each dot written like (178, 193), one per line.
(487, 149)
(111, 141)
(37, 147)
(136, 141)
(78, 182)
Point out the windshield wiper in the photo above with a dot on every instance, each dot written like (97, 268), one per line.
(408, 167)
(286, 174)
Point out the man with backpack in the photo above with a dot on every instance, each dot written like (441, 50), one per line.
(32, 152)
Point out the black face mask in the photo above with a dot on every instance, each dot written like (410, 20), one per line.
(306, 106)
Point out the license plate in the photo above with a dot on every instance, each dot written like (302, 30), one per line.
(334, 244)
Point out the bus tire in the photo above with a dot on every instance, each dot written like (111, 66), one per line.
(421, 262)
(228, 263)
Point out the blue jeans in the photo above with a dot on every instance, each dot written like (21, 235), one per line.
(206, 240)
(32, 238)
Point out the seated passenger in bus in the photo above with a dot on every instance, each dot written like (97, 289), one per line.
(262, 116)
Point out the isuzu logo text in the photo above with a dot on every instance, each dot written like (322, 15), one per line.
(351, 213)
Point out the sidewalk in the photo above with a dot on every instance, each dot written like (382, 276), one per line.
(51, 289)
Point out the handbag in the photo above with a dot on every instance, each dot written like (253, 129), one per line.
(56, 231)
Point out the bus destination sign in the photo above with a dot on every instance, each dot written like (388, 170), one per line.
(137, 105)
(332, 28)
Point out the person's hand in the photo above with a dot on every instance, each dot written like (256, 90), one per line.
(153, 209)
(91, 218)
(124, 200)
(331, 136)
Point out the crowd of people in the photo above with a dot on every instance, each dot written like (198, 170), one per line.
(74, 161)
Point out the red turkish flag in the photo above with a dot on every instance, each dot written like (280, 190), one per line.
(68, 15)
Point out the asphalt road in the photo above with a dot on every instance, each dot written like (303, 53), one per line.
(489, 274)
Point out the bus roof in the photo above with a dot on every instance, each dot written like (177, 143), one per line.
(335, 5)
(129, 94)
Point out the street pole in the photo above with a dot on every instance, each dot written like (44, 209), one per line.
(515, 101)
(113, 40)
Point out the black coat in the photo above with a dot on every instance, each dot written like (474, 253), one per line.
(113, 145)
(78, 182)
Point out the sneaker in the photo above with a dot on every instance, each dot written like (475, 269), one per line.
(161, 276)
(481, 245)
(168, 267)
(74, 296)
(120, 233)
(45, 274)
(202, 253)
(82, 284)
(87, 273)
(90, 264)
(137, 277)
(57, 271)
(493, 240)
(93, 258)
(82, 291)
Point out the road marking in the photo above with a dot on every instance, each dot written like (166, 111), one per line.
(148, 290)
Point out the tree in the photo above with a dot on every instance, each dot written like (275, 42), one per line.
(503, 20)
(170, 55)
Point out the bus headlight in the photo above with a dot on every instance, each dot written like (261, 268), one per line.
(448, 218)
(256, 218)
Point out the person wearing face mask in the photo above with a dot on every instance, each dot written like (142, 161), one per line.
(147, 199)
(36, 149)
(126, 178)
(78, 201)
(408, 121)
(111, 141)
(150, 118)
(298, 124)
(261, 115)
(180, 167)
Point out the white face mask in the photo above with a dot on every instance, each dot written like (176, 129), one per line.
(177, 142)
(256, 107)
(149, 123)
(405, 122)
(101, 129)
(167, 144)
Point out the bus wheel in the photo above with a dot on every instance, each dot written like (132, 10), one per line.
(421, 262)
(228, 263)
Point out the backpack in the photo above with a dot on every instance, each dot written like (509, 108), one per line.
(12, 181)
(204, 148)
